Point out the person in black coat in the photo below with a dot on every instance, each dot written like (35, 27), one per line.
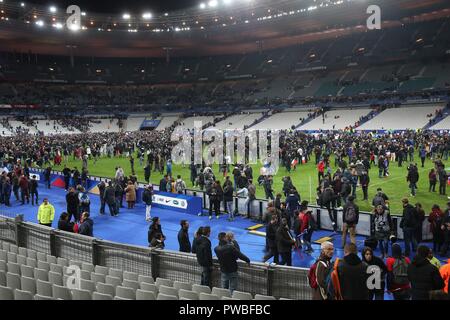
(285, 241)
(110, 199)
(101, 189)
(409, 225)
(228, 254)
(154, 229)
(371, 260)
(204, 256)
(352, 275)
(183, 237)
(34, 190)
(86, 226)
(73, 204)
(413, 178)
(197, 236)
(271, 240)
(163, 184)
(66, 172)
(64, 223)
(424, 276)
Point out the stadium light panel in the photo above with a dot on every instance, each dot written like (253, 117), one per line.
(40, 23)
(126, 16)
(147, 15)
(22, 4)
(213, 3)
(83, 13)
(58, 26)
(53, 9)
(202, 5)
(227, 2)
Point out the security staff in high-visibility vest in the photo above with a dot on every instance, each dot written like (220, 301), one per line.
(46, 213)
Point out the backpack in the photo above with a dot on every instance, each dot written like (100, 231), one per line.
(334, 284)
(179, 186)
(350, 214)
(84, 199)
(312, 275)
(313, 223)
(378, 200)
(400, 271)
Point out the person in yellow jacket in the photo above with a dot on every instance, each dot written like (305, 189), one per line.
(445, 274)
(46, 213)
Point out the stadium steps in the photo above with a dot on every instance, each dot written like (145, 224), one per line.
(309, 119)
(437, 119)
(369, 117)
(259, 120)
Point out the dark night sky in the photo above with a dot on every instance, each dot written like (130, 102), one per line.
(115, 6)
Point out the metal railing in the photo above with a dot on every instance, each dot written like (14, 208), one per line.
(256, 278)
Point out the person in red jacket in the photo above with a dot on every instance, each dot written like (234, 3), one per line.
(307, 229)
(435, 218)
(321, 170)
(397, 277)
(24, 189)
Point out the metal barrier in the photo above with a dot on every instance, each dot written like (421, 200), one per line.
(256, 278)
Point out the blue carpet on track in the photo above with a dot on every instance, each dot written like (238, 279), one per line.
(130, 227)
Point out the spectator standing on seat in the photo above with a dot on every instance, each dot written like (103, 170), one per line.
(285, 241)
(322, 271)
(350, 218)
(352, 273)
(34, 190)
(397, 281)
(424, 277)
(371, 260)
(204, 256)
(409, 225)
(46, 213)
(147, 198)
(64, 223)
(86, 225)
(228, 254)
(183, 237)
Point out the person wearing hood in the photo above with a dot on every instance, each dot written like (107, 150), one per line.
(372, 260)
(423, 275)
(352, 273)
(397, 279)
(87, 225)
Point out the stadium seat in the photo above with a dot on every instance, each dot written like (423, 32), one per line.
(228, 298)
(191, 295)
(79, 294)
(23, 251)
(5, 246)
(127, 293)
(40, 274)
(120, 298)
(106, 289)
(162, 296)
(116, 273)
(149, 287)
(13, 281)
(56, 268)
(163, 282)
(2, 278)
(101, 270)
(284, 299)
(168, 290)
(55, 278)
(41, 297)
(242, 295)
(182, 285)
(200, 289)
(88, 285)
(60, 292)
(13, 248)
(86, 275)
(32, 262)
(131, 284)
(262, 297)
(77, 263)
(101, 296)
(3, 266)
(53, 259)
(133, 276)
(12, 257)
(145, 295)
(62, 261)
(114, 281)
(6, 293)
(41, 256)
(3, 255)
(43, 265)
(146, 279)
(26, 271)
(208, 296)
(44, 288)
(220, 292)
(21, 259)
(28, 284)
(32, 254)
(97, 277)
(13, 268)
(23, 295)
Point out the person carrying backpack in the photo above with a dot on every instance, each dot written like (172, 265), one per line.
(308, 226)
(382, 228)
(85, 202)
(380, 199)
(180, 185)
(319, 273)
(397, 281)
(350, 218)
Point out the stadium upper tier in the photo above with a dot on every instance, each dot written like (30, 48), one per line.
(336, 120)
